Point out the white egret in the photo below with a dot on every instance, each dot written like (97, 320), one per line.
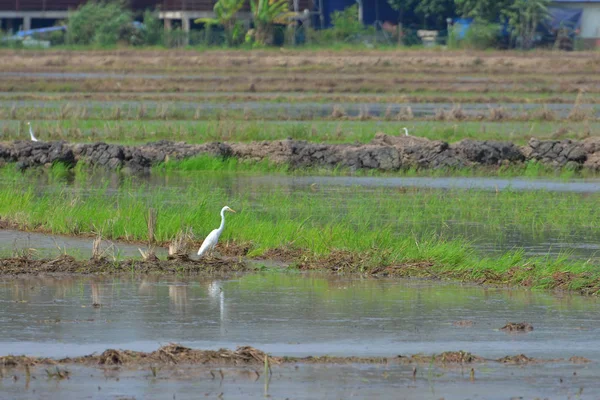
(33, 138)
(211, 240)
(405, 131)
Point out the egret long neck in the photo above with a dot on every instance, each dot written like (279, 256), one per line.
(222, 226)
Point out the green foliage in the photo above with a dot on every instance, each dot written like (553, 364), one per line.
(435, 11)
(481, 35)
(524, 16)
(153, 28)
(57, 38)
(315, 222)
(400, 5)
(346, 24)
(100, 23)
(225, 15)
(486, 10)
(267, 13)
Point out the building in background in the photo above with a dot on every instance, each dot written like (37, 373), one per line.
(30, 14)
(589, 30)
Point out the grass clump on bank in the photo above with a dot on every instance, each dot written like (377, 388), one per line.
(343, 131)
(400, 233)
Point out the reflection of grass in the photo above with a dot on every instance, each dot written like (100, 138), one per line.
(134, 131)
(389, 226)
(339, 291)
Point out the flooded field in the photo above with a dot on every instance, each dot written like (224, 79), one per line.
(577, 242)
(298, 316)
(313, 282)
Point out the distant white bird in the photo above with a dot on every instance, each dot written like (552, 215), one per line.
(33, 138)
(211, 240)
(405, 131)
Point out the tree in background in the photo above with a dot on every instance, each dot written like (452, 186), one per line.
(100, 23)
(153, 28)
(430, 13)
(225, 15)
(524, 16)
(483, 10)
(266, 14)
(346, 24)
(435, 11)
(401, 6)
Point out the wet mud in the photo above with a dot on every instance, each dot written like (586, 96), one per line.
(517, 327)
(66, 264)
(232, 259)
(176, 354)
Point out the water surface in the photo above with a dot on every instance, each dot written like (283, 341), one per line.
(290, 314)
(301, 315)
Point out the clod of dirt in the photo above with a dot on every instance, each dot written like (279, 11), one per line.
(113, 357)
(579, 360)
(518, 359)
(465, 323)
(517, 327)
(448, 357)
(17, 361)
(177, 354)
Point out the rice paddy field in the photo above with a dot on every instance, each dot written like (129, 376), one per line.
(321, 270)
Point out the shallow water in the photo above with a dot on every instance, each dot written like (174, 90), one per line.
(491, 184)
(313, 382)
(289, 314)
(12, 241)
(577, 242)
(296, 110)
(299, 315)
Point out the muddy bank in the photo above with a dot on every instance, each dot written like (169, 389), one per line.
(249, 356)
(65, 264)
(368, 264)
(384, 152)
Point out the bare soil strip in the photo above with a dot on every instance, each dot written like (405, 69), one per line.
(66, 264)
(355, 71)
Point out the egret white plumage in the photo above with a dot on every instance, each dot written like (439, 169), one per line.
(211, 240)
(405, 131)
(33, 138)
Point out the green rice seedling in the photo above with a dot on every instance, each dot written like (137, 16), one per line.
(417, 225)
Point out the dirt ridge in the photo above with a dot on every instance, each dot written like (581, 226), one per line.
(384, 152)
(176, 354)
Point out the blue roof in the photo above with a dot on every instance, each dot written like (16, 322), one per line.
(41, 30)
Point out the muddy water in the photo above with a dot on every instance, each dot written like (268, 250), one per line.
(299, 315)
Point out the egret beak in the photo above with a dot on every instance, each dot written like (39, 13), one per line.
(233, 211)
